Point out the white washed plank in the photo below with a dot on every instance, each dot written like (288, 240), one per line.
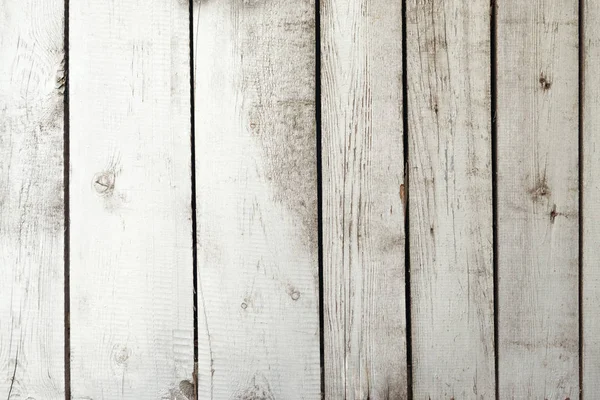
(31, 200)
(363, 195)
(537, 117)
(590, 279)
(131, 239)
(450, 197)
(257, 199)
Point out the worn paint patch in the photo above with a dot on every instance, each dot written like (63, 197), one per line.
(187, 389)
(258, 389)
(280, 110)
(286, 132)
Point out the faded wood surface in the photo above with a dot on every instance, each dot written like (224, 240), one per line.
(31, 200)
(537, 152)
(131, 232)
(590, 273)
(363, 193)
(450, 199)
(258, 310)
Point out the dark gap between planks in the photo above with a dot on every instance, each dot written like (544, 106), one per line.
(67, 208)
(494, 133)
(580, 173)
(407, 305)
(193, 199)
(319, 192)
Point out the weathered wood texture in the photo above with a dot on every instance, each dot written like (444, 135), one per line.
(450, 197)
(363, 193)
(31, 200)
(256, 199)
(537, 153)
(590, 273)
(131, 231)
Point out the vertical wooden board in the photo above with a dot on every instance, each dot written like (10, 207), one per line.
(537, 153)
(256, 199)
(31, 200)
(590, 279)
(363, 196)
(450, 197)
(131, 232)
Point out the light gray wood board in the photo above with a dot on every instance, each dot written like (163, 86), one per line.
(590, 273)
(450, 199)
(258, 322)
(537, 152)
(31, 199)
(363, 200)
(131, 231)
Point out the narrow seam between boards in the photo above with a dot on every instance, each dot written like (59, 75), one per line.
(67, 208)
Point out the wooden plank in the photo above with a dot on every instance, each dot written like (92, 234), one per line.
(537, 152)
(31, 200)
(257, 200)
(363, 210)
(131, 231)
(590, 257)
(450, 197)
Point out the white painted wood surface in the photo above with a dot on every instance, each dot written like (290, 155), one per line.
(131, 247)
(363, 196)
(131, 231)
(450, 199)
(537, 122)
(31, 200)
(590, 274)
(258, 309)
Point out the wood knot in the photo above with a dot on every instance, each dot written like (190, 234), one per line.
(553, 213)
(403, 194)
(539, 191)
(244, 306)
(122, 355)
(104, 183)
(545, 83)
(293, 292)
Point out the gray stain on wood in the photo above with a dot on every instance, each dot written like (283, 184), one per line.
(259, 389)
(275, 116)
(187, 388)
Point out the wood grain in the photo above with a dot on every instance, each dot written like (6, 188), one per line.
(256, 199)
(590, 275)
(450, 197)
(131, 231)
(363, 200)
(537, 152)
(31, 200)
